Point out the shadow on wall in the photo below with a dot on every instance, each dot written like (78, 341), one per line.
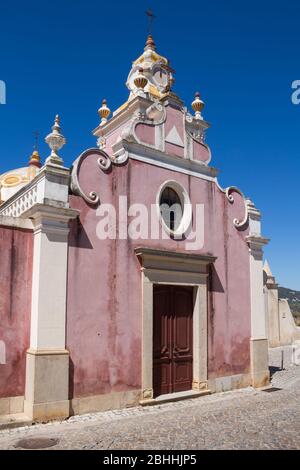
(71, 379)
(215, 282)
(78, 237)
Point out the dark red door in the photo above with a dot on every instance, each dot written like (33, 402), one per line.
(172, 339)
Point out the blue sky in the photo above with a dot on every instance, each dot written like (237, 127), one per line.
(65, 56)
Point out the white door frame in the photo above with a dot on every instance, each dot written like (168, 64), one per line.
(164, 267)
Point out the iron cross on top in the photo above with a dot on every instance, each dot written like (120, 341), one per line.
(151, 17)
(36, 140)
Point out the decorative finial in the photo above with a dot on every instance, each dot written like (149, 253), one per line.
(104, 112)
(35, 157)
(140, 80)
(150, 44)
(197, 106)
(56, 141)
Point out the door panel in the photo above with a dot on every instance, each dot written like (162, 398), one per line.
(182, 339)
(161, 341)
(172, 339)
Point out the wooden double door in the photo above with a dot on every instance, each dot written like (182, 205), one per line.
(172, 339)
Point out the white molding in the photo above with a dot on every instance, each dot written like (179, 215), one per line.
(13, 222)
(255, 242)
(50, 186)
(171, 162)
(186, 206)
(163, 267)
(49, 283)
(122, 116)
(195, 132)
(258, 340)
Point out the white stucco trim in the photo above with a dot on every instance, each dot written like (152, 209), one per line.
(186, 205)
(169, 166)
(47, 360)
(14, 222)
(258, 320)
(49, 281)
(258, 341)
(50, 186)
(170, 162)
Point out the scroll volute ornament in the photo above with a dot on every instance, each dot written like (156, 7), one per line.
(103, 161)
(240, 224)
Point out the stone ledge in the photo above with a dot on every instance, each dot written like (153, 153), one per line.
(105, 402)
(43, 412)
(14, 421)
(227, 383)
(170, 397)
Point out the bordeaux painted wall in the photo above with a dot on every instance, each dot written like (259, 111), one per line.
(104, 281)
(16, 249)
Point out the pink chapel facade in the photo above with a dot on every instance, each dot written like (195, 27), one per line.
(98, 311)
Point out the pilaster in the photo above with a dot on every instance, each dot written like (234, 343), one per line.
(258, 342)
(47, 360)
(272, 308)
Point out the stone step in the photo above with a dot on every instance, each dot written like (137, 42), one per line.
(170, 397)
(14, 421)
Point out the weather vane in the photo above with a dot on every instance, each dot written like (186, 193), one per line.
(151, 17)
(36, 140)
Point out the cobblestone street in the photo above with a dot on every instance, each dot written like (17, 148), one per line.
(243, 419)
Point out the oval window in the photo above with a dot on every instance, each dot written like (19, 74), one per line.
(171, 208)
(174, 208)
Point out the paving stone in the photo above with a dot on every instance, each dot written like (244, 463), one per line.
(242, 419)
